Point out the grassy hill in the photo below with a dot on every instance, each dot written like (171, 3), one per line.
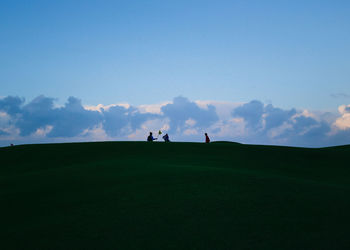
(136, 195)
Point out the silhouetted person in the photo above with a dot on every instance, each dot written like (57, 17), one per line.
(150, 137)
(166, 138)
(207, 140)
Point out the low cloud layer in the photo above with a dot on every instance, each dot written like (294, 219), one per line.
(40, 120)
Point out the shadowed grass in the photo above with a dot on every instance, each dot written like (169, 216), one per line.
(136, 195)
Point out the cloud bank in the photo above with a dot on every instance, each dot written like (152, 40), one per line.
(40, 121)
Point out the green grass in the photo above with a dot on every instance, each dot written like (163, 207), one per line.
(136, 195)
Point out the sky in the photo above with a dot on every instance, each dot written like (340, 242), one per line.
(248, 71)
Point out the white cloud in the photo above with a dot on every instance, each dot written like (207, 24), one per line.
(101, 107)
(144, 108)
(343, 109)
(306, 113)
(42, 132)
(152, 108)
(343, 122)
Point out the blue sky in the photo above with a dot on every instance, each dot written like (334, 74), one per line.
(291, 54)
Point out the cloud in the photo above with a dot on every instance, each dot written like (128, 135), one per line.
(251, 113)
(254, 122)
(183, 113)
(100, 107)
(270, 125)
(258, 116)
(121, 121)
(36, 114)
(306, 131)
(73, 119)
(343, 122)
(152, 108)
(11, 104)
(342, 137)
(275, 117)
(67, 121)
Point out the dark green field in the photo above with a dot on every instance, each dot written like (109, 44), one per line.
(136, 195)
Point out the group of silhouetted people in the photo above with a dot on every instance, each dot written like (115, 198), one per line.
(150, 138)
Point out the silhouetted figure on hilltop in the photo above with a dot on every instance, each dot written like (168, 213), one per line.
(207, 140)
(150, 137)
(166, 138)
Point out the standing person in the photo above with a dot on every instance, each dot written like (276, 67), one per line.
(207, 140)
(166, 138)
(150, 137)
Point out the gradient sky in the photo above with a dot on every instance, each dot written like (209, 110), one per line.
(289, 53)
(261, 72)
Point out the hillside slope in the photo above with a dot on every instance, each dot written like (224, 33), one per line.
(137, 195)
